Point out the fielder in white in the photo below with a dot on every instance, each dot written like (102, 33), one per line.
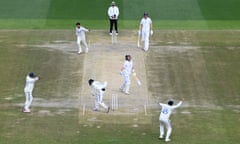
(31, 78)
(126, 71)
(164, 118)
(145, 29)
(80, 33)
(98, 90)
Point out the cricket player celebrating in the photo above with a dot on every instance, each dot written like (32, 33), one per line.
(80, 33)
(31, 78)
(126, 71)
(113, 13)
(98, 90)
(145, 29)
(164, 118)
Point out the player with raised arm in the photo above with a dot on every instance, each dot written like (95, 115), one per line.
(31, 78)
(164, 118)
(80, 33)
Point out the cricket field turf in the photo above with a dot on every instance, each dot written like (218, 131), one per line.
(194, 53)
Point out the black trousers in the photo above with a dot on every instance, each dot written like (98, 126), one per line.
(113, 22)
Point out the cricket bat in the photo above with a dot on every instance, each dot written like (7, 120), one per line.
(137, 79)
(138, 40)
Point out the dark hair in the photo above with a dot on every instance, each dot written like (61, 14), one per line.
(128, 57)
(170, 102)
(90, 81)
(78, 23)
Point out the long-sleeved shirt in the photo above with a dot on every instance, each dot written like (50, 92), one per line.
(113, 11)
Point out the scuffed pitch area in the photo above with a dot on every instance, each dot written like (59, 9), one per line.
(174, 67)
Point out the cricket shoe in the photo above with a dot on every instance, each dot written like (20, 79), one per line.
(110, 34)
(95, 109)
(121, 90)
(127, 93)
(116, 33)
(108, 109)
(161, 137)
(26, 111)
(167, 140)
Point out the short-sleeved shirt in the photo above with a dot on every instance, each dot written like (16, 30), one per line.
(127, 67)
(146, 22)
(167, 110)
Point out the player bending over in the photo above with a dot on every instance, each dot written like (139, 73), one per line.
(98, 90)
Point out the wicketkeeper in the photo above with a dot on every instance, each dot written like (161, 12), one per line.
(164, 118)
(145, 29)
(98, 89)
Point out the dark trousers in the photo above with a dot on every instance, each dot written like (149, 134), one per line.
(113, 22)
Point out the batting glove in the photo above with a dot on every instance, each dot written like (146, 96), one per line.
(139, 32)
(151, 32)
(134, 74)
(121, 73)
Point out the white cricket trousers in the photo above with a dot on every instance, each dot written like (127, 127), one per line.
(28, 101)
(99, 102)
(145, 39)
(167, 124)
(83, 41)
(126, 83)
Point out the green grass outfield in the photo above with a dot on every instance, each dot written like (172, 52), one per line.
(170, 14)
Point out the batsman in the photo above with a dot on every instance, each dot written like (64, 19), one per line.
(126, 71)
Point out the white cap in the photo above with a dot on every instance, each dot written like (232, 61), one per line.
(113, 3)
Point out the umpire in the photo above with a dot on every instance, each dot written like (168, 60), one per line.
(113, 13)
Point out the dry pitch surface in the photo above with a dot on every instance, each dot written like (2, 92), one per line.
(103, 63)
(174, 67)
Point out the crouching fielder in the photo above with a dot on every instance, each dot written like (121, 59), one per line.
(164, 118)
(98, 90)
(145, 29)
(31, 78)
(80, 33)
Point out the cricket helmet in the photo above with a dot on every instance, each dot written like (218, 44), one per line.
(145, 14)
(90, 81)
(170, 102)
(32, 75)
